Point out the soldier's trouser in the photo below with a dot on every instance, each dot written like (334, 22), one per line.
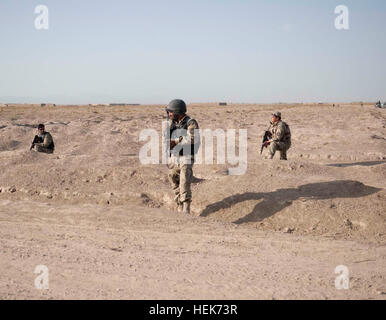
(181, 178)
(279, 146)
(43, 149)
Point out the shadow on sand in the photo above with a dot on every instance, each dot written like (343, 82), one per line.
(365, 164)
(275, 201)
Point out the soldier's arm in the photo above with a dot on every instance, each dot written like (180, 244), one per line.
(47, 140)
(33, 142)
(38, 143)
(168, 134)
(278, 134)
(189, 138)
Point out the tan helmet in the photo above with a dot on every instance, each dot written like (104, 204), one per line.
(277, 114)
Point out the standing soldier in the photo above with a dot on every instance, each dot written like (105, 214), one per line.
(183, 144)
(281, 137)
(43, 141)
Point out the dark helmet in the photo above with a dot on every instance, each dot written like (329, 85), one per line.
(176, 106)
(41, 126)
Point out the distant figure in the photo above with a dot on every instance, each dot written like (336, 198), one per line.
(43, 141)
(280, 137)
(181, 166)
(378, 104)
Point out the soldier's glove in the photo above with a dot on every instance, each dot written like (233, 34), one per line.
(172, 144)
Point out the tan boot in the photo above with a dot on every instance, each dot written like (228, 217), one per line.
(186, 208)
(180, 207)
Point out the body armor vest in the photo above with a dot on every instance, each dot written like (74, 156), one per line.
(184, 125)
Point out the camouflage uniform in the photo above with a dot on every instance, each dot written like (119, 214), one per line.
(47, 146)
(280, 140)
(181, 165)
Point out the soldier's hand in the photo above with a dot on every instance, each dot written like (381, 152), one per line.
(267, 143)
(172, 144)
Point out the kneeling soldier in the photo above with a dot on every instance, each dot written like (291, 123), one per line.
(43, 141)
(281, 137)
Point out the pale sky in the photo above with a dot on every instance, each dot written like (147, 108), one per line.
(152, 51)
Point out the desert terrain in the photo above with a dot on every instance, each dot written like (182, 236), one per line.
(106, 227)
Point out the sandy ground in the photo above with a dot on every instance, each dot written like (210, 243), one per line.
(105, 225)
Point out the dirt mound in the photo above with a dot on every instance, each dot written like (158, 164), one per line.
(9, 145)
(305, 208)
(330, 185)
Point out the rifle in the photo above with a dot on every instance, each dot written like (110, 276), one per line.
(35, 140)
(267, 136)
(168, 133)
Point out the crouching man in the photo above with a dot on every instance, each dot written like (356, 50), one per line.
(280, 137)
(43, 141)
